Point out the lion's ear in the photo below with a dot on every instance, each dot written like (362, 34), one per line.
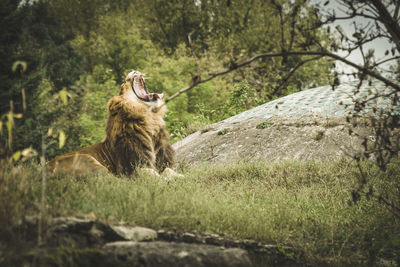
(124, 88)
(121, 89)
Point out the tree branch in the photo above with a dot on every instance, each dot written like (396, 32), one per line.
(292, 71)
(390, 23)
(386, 60)
(238, 65)
(396, 11)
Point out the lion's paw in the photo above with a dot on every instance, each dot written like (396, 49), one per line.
(149, 171)
(169, 173)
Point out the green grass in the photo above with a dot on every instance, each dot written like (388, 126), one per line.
(265, 124)
(303, 205)
(319, 135)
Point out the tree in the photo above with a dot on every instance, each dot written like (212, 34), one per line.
(32, 35)
(10, 23)
(167, 22)
(377, 20)
(301, 26)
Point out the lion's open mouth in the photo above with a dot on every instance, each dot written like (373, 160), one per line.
(140, 89)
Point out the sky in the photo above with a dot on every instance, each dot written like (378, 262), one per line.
(379, 45)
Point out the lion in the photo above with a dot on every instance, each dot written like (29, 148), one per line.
(136, 137)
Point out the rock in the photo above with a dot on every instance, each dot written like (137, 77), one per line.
(65, 256)
(300, 138)
(213, 240)
(307, 125)
(135, 233)
(75, 241)
(189, 238)
(79, 233)
(160, 253)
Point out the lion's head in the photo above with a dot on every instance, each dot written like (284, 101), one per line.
(135, 89)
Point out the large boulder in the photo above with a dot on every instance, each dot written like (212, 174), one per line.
(308, 125)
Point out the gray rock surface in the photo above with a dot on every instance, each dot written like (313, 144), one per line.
(76, 241)
(80, 233)
(306, 137)
(135, 233)
(161, 253)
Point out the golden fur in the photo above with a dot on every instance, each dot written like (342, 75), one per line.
(136, 136)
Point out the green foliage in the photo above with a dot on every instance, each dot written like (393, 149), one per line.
(167, 23)
(318, 135)
(300, 205)
(116, 45)
(93, 113)
(14, 187)
(265, 124)
(241, 99)
(222, 132)
(81, 51)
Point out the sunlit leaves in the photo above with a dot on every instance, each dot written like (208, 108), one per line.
(23, 155)
(61, 139)
(15, 156)
(49, 132)
(17, 64)
(63, 96)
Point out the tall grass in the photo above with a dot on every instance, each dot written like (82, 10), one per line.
(304, 205)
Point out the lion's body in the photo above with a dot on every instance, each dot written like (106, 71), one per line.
(136, 136)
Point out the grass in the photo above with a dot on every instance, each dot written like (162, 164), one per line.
(265, 124)
(303, 205)
(319, 135)
(222, 132)
(331, 124)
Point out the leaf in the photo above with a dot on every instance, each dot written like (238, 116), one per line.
(16, 156)
(18, 115)
(10, 118)
(9, 125)
(63, 96)
(19, 63)
(339, 29)
(61, 139)
(28, 153)
(23, 99)
(50, 132)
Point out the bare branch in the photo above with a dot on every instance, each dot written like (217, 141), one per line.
(386, 60)
(362, 69)
(396, 11)
(292, 71)
(391, 24)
